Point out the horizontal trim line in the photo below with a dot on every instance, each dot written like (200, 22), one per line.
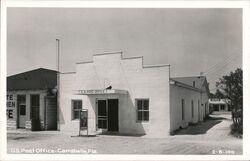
(69, 73)
(85, 62)
(152, 66)
(133, 57)
(180, 84)
(189, 77)
(108, 53)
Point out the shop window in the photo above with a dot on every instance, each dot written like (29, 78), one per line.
(183, 109)
(142, 109)
(22, 109)
(76, 107)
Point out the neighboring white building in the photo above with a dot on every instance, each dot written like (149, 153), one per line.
(217, 104)
(140, 99)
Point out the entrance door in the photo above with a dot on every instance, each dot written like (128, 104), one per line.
(102, 114)
(50, 116)
(21, 105)
(35, 106)
(113, 115)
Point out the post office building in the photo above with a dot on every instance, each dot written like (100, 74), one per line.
(124, 96)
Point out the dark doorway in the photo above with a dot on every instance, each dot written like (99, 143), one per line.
(216, 107)
(113, 115)
(35, 106)
(50, 115)
(35, 112)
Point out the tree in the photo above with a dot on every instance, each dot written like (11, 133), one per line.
(219, 94)
(231, 87)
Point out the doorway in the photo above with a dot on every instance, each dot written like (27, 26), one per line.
(108, 114)
(50, 113)
(35, 106)
(112, 114)
(21, 111)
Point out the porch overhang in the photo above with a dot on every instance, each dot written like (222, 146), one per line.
(100, 91)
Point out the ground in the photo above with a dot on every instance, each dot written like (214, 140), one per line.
(209, 137)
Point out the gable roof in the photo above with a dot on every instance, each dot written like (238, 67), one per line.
(200, 82)
(35, 79)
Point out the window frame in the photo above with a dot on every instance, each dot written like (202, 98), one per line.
(142, 110)
(74, 110)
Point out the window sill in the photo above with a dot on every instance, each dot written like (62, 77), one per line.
(142, 122)
(75, 120)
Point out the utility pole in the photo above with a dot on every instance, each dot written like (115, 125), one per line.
(58, 82)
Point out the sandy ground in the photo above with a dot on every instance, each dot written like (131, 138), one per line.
(209, 137)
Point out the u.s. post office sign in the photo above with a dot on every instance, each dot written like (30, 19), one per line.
(92, 91)
(100, 91)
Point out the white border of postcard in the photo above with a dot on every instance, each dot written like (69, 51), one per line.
(127, 4)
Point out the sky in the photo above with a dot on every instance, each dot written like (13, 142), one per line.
(190, 40)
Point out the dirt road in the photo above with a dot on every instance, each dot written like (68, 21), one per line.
(209, 137)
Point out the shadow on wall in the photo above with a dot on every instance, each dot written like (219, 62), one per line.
(199, 128)
(61, 117)
(128, 125)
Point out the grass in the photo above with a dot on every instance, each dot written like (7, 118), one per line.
(236, 130)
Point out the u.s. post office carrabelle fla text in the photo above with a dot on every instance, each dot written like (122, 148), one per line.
(121, 94)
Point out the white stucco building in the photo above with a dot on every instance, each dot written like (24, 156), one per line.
(217, 104)
(122, 95)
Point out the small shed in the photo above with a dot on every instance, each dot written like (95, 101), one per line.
(31, 102)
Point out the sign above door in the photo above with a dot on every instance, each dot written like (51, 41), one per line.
(100, 91)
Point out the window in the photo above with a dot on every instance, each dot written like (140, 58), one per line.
(183, 109)
(21, 99)
(192, 106)
(222, 107)
(76, 107)
(142, 109)
(22, 109)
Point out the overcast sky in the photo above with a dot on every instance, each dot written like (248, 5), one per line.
(190, 40)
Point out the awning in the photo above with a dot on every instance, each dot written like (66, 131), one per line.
(100, 91)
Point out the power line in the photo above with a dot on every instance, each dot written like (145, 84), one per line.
(218, 71)
(225, 62)
(228, 59)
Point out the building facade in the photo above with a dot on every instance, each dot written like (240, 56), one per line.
(188, 101)
(122, 95)
(31, 103)
(217, 104)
